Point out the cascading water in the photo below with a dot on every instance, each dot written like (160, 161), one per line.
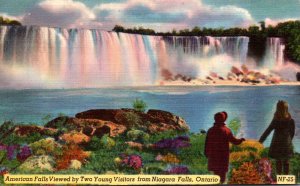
(56, 57)
(274, 52)
(274, 60)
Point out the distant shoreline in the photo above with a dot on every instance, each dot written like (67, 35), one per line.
(162, 84)
(195, 83)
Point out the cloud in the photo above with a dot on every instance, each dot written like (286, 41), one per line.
(161, 15)
(57, 13)
(171, 13)
(274, 22)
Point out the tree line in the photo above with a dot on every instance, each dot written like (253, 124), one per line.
(289, 30)
(6, 21)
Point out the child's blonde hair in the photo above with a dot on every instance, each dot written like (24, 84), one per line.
(282, 111)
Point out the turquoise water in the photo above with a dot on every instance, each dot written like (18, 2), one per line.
(254, 106)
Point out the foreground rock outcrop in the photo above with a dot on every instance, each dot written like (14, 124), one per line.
(98, 122)
(161, 120)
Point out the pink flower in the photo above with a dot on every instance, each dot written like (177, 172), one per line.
(132, 161)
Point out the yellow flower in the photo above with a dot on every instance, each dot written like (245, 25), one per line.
(242, 156)
(75, 164)
(117, 160)
(251, 143)
(170, 158)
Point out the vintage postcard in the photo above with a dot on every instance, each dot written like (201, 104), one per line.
(134, 92)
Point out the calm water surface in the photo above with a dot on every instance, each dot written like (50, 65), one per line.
(254, 106)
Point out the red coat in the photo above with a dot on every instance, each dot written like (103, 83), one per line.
(217, 147)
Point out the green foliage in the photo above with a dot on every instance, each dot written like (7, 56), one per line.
(133, 120)
(10, 164)
(46, 147)
(118, 28)
(6, 21)
(138, 136)
(140, 30)
(264, 152)
(5, 131)
(107, 142)
(193, 156)
(295, 166)
(62, 126)
(15, 139)
(61, 114)
(235, 125)
(164, 135)
(139, 105)
(102, 161)
(94, 144)
(46, 118)
(154, 168)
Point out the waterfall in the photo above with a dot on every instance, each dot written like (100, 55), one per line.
(56, 57)
(274, 53)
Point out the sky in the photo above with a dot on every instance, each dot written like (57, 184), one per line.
(160, 15)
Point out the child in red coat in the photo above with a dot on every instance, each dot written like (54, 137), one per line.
(217, 146)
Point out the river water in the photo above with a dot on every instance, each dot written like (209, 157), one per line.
(254, 106)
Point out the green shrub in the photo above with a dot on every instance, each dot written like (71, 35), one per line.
(46, 118)
(138, 136)
(264, 152)
(133, 120)
(235, 125)
(193, 156)
(102, 161)
(164, 135)
(295, 166)
(15, 139)
(139, 105)
(94, 144)
(107, 142)
(153, 168)
(46, 146)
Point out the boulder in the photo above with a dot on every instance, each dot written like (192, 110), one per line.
(213, 74)
(209, 78)
(25, 130)
(169, 119)
(88, 127)
(178, 77)
(167, 74)
(101, 131)
(88, 130)
(245, 69)
(187, 78)
(118, 116)
(221, 78)
(236, 71)
(115, 129)
(102, 114)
